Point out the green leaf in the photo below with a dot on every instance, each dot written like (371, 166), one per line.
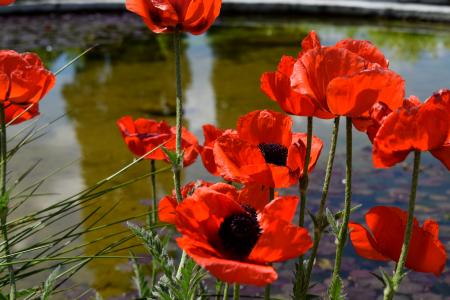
(139, 278)
(332, 222)
(50, 284)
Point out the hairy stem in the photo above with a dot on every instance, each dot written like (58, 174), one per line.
(4, 201)
(179, 116)
(389, 291)
(319, 228)
(303, 188)
(342, 237)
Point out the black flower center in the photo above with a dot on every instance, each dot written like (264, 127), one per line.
(274, 153)
(239, 233)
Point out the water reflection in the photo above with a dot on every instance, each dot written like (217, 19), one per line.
(134, 75)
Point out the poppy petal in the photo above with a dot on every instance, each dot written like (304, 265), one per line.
(364, 243)
(166, 209)
(254, 195)
(279, 241)
(354, 95)
(265, 126)
(232, 154)
(366, 50)
(316, 68)
(282, 208)
(443, 154)
(230, 271)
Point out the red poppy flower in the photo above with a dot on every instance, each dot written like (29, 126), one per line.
(415, 126)
(211, 134)
(277, 85)
(167, 15)
(143, 135)
(346, 79)
(236, 235)
(384, 240)
(264, 150)
(6, 2)
(24, 81)
(168, 204)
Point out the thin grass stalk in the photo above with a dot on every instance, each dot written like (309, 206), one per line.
(154, 213)
(390, 290)
(319, 228)
(5, 200)
(236, 291)
(342, 237)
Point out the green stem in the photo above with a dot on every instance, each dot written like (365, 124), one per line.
(179, 116)
(303, 187)
(342, 237)
(179, 125)
(154, 214)
(219, 287)
(319, 228)
(267, 292)
(225, 291)
(236, 291)
(4, 200)
(389, 291)
(304, 180)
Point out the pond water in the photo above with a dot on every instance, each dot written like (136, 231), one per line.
(131, 72)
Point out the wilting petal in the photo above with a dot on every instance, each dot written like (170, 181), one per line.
(265, 126)
(316, 148)
(364, 243)
(280, 241)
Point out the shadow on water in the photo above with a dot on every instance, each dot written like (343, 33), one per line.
(132, 73)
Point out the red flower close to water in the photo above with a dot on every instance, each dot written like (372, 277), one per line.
(236, 235)
(6, 2)
(168, 204)
(194, 16)
(415, 126)
(346, 79)
(211, 134)
(264, 150)
(384, 240)
(143, 135)
(24, 81)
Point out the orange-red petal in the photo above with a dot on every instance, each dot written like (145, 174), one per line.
(354, 95)
(366, 50)
(364, 243)
(280, 241)
(230, 271)
(265, 126)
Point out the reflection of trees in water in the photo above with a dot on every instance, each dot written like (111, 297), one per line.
(241, 55)
(136, 78)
